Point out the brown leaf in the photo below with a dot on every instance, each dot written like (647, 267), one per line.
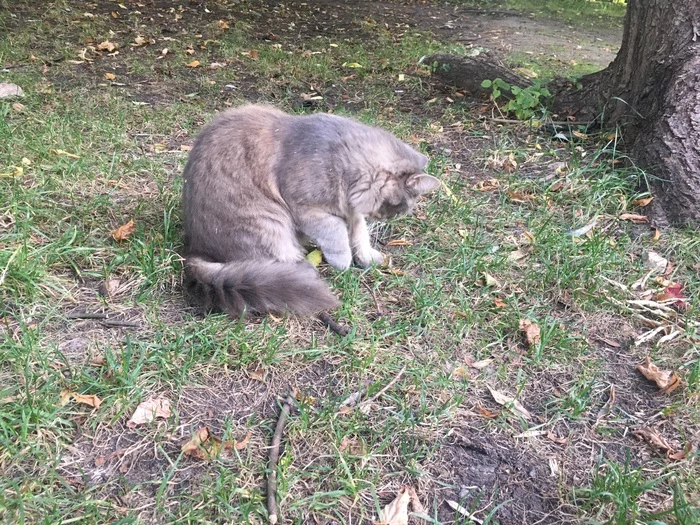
(481, 364)
(194, 63)
(416, 505)
(642, 202)
(552, 437)
(223, 24)
(399, 242)
(460, 373)
(253, 54)
(633, 217)
(200, 447)
(532, 331)
(98, 360)
(140, 41)
(90, 400)
(106, 46)
(109, 287)
(653, 438)
(486, 412)
(149, 410)
(608, 342)
(521, 197)
(657, 234)
(258, 375)
(499, 303)
(681, 454)
(505, 400)
(18, 106)
(241, 445)
(666, 380)
(487, 185)
(124, 231)
(110, 76)
(396, 512)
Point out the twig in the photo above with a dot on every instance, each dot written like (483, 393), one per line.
(339, 329)
(387, 387)
(86, 315)
(119, 324)
(274, 457)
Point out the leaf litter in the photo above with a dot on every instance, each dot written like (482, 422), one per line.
(149, 410)
(206, 446)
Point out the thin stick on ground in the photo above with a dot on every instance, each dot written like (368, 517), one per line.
(387, 387)
(274, 457)
(331, 323)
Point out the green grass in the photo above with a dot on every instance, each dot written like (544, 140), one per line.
(432, 316)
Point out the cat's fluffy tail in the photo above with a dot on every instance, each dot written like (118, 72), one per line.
(258, 287)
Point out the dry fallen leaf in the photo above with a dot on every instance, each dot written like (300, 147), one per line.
(656, 441)
(10, 90)
(258, 375)
(499, 303)
(194, 63)
(399, 242)
(481, 364)
(505, 400)
(223, 24)
(642, 202)
(109, 287)
(487, 185)
(106, 46)
(532, 332)
(552, 437)
(110, 76)
(633, 217)
(656, 262)
(666, 380)
(90, 400)
(486, 412)
(396, 512)
(18, 106)
(124, 231)
(64, 153)
(149, 410)
(204, 445)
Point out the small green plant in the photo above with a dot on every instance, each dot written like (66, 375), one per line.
(524, 103)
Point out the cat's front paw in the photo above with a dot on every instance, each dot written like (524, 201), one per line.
(339, 261)
(369, 257)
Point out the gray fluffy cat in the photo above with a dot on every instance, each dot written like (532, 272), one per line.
(260, 182)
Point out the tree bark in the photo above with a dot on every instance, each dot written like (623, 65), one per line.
(652, 90)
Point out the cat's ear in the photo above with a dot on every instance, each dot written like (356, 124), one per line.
(421, 183)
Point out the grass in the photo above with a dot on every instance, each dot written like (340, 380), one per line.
(480, 261)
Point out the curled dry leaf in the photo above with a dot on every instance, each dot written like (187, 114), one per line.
(656, 262)
(481, 364)
(90, 400)
(64, 153)
(486, 412)
(109, 287)
(194, 63)
(124, 231)
(396, 512)
(399, 242)
(552, 437)
(258, 375)
(149, 410)
(110, 76)
(487, 185)
(106, 46)
(634, 217)
(531, 330)
(10, 90)
(505, 400)
(204, 445)
(642, 202)
(666, 380)
(656, 441)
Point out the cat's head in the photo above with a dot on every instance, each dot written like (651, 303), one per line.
(404, 185)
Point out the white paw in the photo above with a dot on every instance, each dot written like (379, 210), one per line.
(339, 261)
(367, 258)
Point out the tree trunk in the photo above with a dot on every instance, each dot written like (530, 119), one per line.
(652, 89)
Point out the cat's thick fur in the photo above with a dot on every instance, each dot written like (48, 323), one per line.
(259, 182)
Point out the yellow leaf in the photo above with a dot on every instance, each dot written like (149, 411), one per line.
(110, 76)
(194, 63)
(90, 400)
(124, 231)
(18, 171)
(64, 153)
(353, 65)
(399, 242)
(314, 257)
